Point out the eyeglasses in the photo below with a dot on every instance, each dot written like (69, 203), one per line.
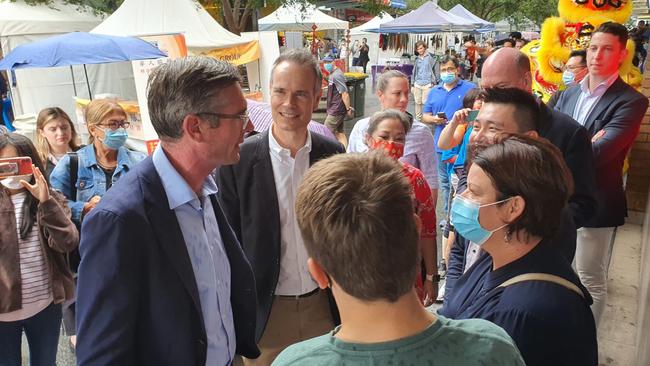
(114, 125)
(242, 117)
(574, 68)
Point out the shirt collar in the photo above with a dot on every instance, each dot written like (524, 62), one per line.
(277, 149)
(177, 189)
(601, 88)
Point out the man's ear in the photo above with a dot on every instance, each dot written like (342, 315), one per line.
(317, 273)
(319, 94)
(532, 134)
(192, 127)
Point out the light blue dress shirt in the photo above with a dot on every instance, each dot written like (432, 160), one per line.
(423, 71)
(588, 100)
(210, 264)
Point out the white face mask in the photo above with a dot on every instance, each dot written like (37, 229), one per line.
(14, 181)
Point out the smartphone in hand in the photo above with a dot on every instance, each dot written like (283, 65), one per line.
(10, 167)
(441, 115)
(471, 116)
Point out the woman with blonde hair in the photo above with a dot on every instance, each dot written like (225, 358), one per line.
(101, 163)
(56, 136)
(84, 177)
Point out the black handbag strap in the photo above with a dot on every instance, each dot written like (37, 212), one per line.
(74, 168)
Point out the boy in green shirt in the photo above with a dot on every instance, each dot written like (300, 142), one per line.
(356, 216)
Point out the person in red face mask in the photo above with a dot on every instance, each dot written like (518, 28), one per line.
(387, 132)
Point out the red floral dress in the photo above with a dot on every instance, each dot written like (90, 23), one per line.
(425, 209)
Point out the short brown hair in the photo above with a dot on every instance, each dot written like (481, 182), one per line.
(533, 169)
(45, 116)
(302, 58)
(614, 29)
(420, 43)
(355, 214)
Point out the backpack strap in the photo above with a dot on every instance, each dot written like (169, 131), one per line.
(544, 277)
(74, 171)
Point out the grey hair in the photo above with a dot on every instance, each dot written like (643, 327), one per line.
(185, 86)
(302, 58)
(384, 78)
(378, 117)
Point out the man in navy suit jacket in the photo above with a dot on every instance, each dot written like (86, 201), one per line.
(163, 279)
(611, 111)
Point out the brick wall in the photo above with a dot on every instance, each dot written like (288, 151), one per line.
(638, 181)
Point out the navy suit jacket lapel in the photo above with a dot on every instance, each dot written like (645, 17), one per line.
(168, 232)
(572, 96)
(603, 104)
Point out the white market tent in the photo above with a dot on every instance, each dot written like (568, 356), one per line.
(460, 11)
(144, 17)
(288, 18)
(36, 89)
(371, 24)
(376, 54)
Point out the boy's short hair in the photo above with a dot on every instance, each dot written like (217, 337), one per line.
(355, 213)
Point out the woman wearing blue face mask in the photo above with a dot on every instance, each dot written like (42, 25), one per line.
(101, 163)
(511, 209)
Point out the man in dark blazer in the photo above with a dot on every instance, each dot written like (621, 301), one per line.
(162, 279)
(258, 197)
(509, 68)
(611, 111)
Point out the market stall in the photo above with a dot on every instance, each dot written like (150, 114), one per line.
(203, 34)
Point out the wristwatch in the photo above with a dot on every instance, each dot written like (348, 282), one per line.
(433, 278)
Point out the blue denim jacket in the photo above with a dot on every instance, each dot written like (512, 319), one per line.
(91, 180)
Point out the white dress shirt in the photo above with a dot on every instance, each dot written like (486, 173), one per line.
(588, 100)
(294, 278)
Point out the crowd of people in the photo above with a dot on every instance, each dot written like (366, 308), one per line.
(262, 241)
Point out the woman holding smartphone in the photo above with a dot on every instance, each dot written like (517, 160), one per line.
(35, 233)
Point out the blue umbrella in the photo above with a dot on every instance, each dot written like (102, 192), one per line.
(79, 48)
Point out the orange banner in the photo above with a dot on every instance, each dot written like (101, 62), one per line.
(237, 55)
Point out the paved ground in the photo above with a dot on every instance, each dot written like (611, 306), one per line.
(617, 335)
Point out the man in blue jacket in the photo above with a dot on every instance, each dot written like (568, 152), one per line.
(163, 279)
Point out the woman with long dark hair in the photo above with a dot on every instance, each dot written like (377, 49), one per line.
(35, 233)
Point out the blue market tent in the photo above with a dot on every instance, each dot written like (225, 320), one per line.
(483, 25)
(428, 18)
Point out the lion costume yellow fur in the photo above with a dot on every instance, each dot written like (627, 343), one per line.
(572, 31)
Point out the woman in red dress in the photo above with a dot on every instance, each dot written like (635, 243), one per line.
(387, 132)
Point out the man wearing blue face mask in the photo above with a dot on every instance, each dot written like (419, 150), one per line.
(575, 70)
(443, 101)
(338, 101)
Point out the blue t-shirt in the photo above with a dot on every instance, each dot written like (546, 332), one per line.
(441, 100)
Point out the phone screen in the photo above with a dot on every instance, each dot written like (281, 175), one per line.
(441, 115)
(15, 166)
(471, 116)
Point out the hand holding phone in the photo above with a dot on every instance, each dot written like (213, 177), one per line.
(471, 116)
(442, 115)
(10, 167)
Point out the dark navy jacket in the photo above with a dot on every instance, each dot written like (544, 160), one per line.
(550, 324)
(137, 299)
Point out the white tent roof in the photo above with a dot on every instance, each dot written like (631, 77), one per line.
(288, 18)
(18, 18)
(371, 24)
(144, 17)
